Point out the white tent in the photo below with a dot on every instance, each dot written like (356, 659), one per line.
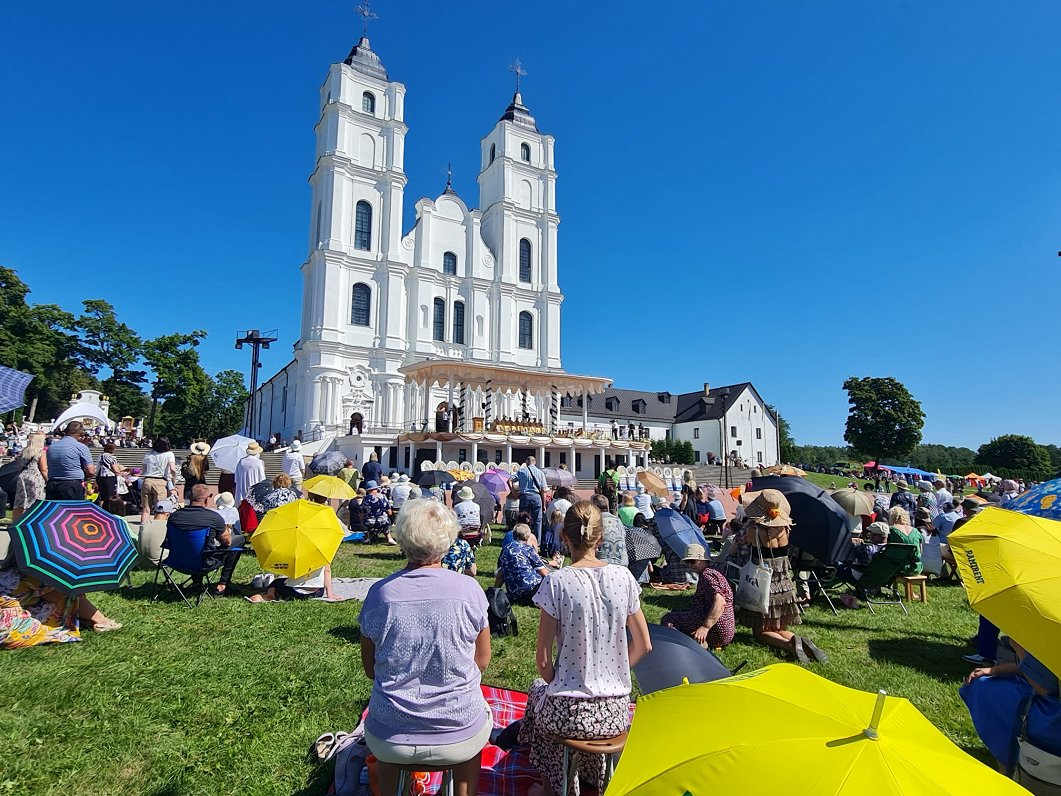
(81, 410)
(989, 477)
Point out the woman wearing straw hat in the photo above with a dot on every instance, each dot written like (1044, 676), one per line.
(769, 525)
(709, 620)
(194, 470)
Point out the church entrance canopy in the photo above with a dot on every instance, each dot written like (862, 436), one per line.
(505, 380)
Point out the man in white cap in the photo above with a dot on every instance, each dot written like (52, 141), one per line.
(249, 471)
(400, 490)
(294, 465)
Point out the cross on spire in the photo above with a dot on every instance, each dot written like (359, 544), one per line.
(518, 70)
(449, 176)
(367, 14)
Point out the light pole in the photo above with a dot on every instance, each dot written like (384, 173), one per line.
(723, 394)
(257, 341)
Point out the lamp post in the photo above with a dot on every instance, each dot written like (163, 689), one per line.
(257, 341)
(722, 445)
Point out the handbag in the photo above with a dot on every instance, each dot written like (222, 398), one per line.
(753, 588)
(931, 559)
(1034, 764)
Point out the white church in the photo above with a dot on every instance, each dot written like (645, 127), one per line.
(442, 343)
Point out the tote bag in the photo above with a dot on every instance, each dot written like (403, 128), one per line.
(753, 588)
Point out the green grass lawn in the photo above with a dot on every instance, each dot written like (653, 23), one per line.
(226, 699)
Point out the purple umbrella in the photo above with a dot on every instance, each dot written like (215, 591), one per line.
(496, 481)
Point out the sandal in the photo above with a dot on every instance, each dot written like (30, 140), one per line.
(110, 624)
(322, 747)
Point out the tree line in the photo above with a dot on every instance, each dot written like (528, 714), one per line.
(159, 379)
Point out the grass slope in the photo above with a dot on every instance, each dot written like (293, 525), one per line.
(227, 698)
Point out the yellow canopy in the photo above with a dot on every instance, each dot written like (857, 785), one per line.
(330, 487)
(784, 728)
(1010, 564)
(297, 538)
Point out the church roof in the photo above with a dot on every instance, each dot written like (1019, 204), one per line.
(634, 404)
(519, 113)
(365, 61)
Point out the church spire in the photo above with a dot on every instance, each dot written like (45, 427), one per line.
(361, 57)
(449, 180)
(516, 111)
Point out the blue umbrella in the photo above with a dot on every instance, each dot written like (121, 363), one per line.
(678, 531)
(820, 522)
(676, 657)
(1043, 500)
(13, 385)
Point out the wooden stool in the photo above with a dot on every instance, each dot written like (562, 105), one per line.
(444, 789)
(609, 747)
(909, 582)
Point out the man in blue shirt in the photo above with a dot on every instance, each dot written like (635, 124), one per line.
(373, 470)
(531, 490)
(69, 464)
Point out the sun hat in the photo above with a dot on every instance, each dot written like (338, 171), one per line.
(695, 552)
(924, 485)
(253, 449)
(1009, 485)
(970, 506)
(200, 448)
(384, 480)
(770, 509)
(923, 514)
(878, 529)
(403, 478)
(370, 485)
(939, 482)
(296, 446)
(225, 499)
(165, 507)
(903, 486)
(466, 493)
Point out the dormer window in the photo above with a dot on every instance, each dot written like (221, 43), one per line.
(639, 406)
(368, 102)
(611, 404)
(664, 397)
(524, 153)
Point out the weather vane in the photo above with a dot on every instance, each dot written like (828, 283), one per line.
(449, 176)
(518, 70)
(367, 14)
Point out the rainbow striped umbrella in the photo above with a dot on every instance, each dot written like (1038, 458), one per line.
(73, 545)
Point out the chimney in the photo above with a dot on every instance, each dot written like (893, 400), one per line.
(707, 390)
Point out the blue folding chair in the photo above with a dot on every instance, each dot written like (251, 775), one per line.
(189, 555)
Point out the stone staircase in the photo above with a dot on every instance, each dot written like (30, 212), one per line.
(134, 457)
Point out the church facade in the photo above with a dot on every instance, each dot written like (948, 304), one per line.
(441, 343)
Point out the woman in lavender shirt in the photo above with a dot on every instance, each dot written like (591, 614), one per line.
(425, 641)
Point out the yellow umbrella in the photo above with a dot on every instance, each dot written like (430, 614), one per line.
(330, 487)
(751, 734)
(653, 484)
(297, 538)
(1010, 564)
(783, 469)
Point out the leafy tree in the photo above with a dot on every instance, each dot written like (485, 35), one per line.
(225, 404)
(824, 455)
(884, 420)
(107, 344)
(946, 459)
(683, 453)
(1017, 454)
(661, 449)
(1054, 453)
(40, 339)
(784, 433)
(180, 383)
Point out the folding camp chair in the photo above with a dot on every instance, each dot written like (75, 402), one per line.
(878, 579)
(189, 555)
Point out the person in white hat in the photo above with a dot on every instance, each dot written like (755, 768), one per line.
(225, 505)
(249, 471)
(709, 619)
(468, 515)
(400, 492)
(195, 468)
(294, 465)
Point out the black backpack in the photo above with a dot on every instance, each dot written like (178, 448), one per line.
(607, 484)
(500, 614)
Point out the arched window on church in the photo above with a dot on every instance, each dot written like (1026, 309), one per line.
(368, 102)
(363, 226)
(439, 330)
(524, 260)
(526, 330)
(360, 305)
(458, 322)
(449, 263)
(493, 152)
(524, 153)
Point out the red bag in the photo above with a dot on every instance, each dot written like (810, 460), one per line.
(248, 520)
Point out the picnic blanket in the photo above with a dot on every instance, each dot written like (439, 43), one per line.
(352, 588)
(503, 773)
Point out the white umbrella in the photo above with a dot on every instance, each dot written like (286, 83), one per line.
(227, 452)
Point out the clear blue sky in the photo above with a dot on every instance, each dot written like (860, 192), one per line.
(782, 192)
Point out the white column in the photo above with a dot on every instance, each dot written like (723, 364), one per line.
(412, 455)
(541, 456)
(585, 412)
(475, 452)
(601, 455)
(438, 451)
(508, 452)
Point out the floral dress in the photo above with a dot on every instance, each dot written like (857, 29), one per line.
(460, 557)
(29, 486)
(712, 586)
(32, 614)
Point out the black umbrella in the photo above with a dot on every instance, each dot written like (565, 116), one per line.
(435, 478)
(486, 501)
(820, 523)
(676, 657)
(327, 463)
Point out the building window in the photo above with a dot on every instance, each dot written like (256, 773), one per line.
(524, 260)
(458, 322)
(733, 431)
(526, 330)
(363, 226)
(524, 153)
(497, 457)
(696, 433)
(759, 456)
(758, 433)
(493, 152)
(360, 304)
(439, 332)
(368, 102)
(449, 263)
